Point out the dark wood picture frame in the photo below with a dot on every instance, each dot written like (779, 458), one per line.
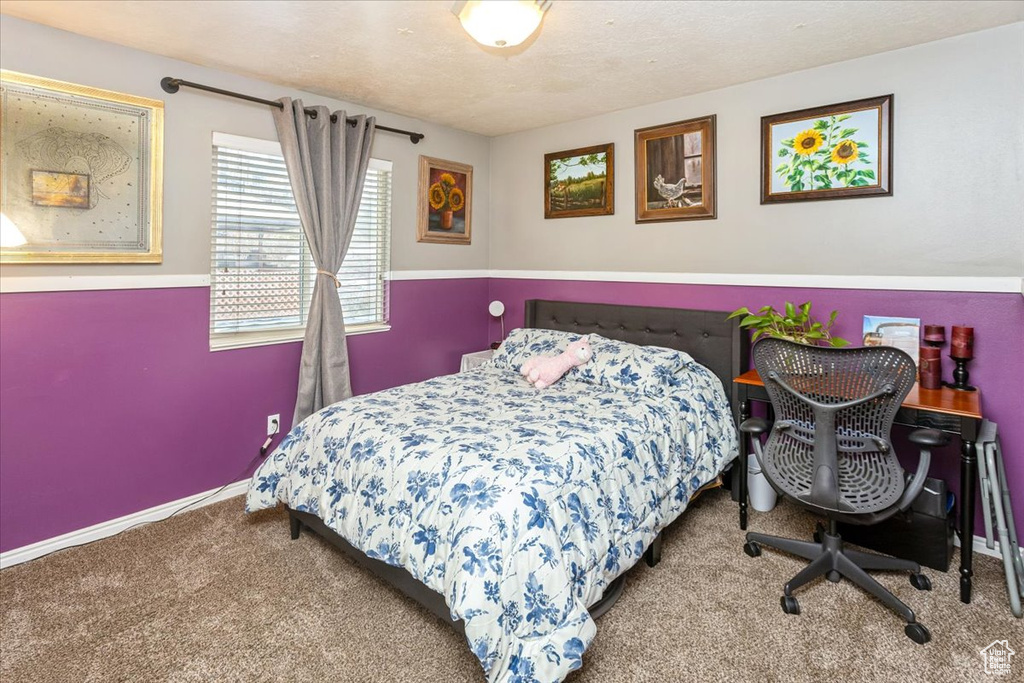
(822, 136)
(606, 185)
(684, 150)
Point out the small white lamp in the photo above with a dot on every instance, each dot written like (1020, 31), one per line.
(497, 310)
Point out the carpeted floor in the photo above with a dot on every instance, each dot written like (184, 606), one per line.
(214, 595)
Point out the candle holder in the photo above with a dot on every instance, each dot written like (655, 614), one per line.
(960, 375)
(961, 350)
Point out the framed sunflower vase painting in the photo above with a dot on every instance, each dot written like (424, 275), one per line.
(839, 151)
(445, 202)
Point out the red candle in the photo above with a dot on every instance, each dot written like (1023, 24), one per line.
(935, 333)
(962, 343)
(931, 367)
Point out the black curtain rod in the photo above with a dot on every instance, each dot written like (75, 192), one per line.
(172, 85)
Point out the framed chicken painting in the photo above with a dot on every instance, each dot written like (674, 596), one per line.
(675, 171)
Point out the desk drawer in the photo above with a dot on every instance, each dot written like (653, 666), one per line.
(926, 418)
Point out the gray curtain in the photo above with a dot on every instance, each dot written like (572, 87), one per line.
(327, 164)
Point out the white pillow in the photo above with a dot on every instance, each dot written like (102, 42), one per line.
(525, 342)
(652, 370)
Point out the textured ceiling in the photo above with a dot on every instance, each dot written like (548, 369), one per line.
(588, 58)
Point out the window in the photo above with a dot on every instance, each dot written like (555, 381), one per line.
(261, 271)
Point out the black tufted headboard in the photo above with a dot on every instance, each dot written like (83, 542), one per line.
(713, 341)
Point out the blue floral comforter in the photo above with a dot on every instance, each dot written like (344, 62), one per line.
(519, 506)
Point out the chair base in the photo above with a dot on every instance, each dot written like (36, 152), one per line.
(828, 557)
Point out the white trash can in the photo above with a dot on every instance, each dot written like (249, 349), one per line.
(762, 496)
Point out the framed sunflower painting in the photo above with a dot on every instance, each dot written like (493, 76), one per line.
(445, 202)
(839, 151)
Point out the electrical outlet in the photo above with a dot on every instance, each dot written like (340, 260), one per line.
(273, 424)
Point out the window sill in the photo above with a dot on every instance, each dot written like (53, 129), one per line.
(246, 340)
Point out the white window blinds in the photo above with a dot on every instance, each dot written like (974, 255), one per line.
(261, 272)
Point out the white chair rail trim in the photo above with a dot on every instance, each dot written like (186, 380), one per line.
(72, 283)
(999, 284)
(884, 282)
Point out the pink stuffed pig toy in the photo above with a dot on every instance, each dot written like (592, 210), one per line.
(543, 371)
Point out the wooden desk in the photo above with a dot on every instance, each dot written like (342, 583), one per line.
(955, 412)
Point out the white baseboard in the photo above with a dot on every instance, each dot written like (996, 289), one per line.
(981, 547)
(116, 526)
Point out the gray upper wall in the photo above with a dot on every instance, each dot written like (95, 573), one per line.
(190, 117)
(957, 208)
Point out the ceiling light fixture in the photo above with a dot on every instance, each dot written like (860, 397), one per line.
(500, 23)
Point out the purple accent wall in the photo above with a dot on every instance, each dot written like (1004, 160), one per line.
(113, 403)
(998, 321)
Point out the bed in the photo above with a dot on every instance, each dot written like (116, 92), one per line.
(513, 513)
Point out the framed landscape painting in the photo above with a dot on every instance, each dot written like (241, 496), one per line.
(80, 173)
(445, 202)
(838, 151)
(675, 171)
(580, 182)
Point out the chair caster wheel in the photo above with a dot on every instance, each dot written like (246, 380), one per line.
(834, 576)
(819, 532)
(921, 583)
(791, 606)
(918, 633)
(751, 548)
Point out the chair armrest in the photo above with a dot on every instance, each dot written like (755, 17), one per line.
(928, 438)
(755, 426)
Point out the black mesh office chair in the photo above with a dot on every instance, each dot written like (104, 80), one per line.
(830, 450)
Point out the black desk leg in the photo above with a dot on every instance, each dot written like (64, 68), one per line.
(968, 470)
(740, 476)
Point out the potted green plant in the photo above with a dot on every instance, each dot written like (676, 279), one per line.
(794, 323)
